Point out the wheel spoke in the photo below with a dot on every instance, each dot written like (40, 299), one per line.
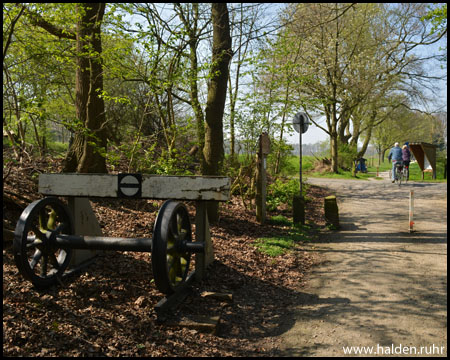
(60, 228)
(171, 267)
(31, 239)
(33, 243)
(44, 266)
(175, 271)
(54, 261)
(183, 234)
(38, 232)
(36, 257)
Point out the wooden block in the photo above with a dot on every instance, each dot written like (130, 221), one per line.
(217, 295)
(168, 304)
(204, 324)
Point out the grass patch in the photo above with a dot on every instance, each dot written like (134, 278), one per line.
(274, 246)
(280, 220)
(279, 245)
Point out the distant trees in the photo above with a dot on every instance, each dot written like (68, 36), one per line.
(358, 64)
(145, 82)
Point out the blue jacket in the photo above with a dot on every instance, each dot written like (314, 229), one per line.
(395, 154)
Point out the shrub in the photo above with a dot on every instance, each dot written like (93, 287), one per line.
(281, 192)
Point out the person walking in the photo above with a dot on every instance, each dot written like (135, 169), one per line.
(395, 155)
(406, 158)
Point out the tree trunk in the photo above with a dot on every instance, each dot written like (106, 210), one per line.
(334, 152)
(213, 152)
(334, 140)
(85, 154)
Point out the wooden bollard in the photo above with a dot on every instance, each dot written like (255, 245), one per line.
(331, 211)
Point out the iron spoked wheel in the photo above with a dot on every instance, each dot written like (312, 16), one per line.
(38, 258)
(170, 263)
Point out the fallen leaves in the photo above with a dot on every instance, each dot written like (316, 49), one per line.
(108, 310)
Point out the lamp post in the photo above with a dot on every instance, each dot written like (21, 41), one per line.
(301, 123)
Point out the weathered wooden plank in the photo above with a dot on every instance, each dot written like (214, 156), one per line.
(217, 295)
(203, 324)
(152, 186)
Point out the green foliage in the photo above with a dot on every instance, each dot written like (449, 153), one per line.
(281, 192)
(58, 147)
(285, 150)
(346, 156)
(438, 18)
(292, 165)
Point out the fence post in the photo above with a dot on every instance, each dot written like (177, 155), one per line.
(264, 149)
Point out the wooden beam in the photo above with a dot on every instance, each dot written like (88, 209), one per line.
(151, 186)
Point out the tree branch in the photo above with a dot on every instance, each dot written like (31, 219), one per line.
(13, 23)
(38, 20)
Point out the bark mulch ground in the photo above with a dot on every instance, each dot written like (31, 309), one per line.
(108, 309)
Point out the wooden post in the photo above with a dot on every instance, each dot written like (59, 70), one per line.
(85, 223)
(261, 180)
(298, 207)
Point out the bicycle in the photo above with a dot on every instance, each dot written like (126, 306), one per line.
(405, 173)
(398, 172)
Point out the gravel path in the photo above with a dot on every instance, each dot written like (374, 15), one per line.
(378, 285)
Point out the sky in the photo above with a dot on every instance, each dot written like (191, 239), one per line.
(439, 103)
(314, 134)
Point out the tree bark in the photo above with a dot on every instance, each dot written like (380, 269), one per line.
(85, 154)
(213, 152)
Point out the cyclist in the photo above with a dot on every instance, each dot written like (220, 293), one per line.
(406, 157)
(396, 155)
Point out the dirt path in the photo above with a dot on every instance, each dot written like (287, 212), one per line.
(379, 285)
